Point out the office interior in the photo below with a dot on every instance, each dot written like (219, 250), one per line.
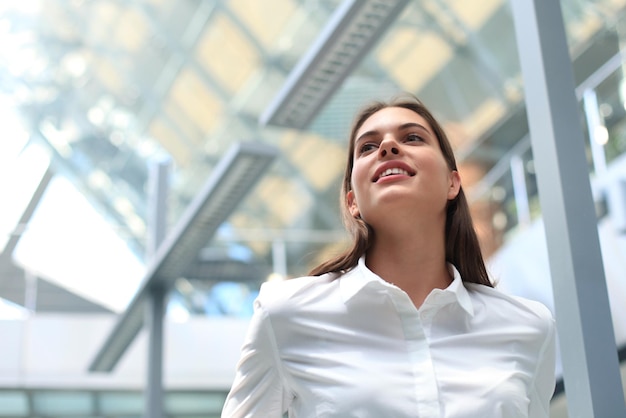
(161, 159)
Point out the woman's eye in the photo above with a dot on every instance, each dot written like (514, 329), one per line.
(367, 147)
(413, 138)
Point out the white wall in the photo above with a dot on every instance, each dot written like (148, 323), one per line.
(51, 350)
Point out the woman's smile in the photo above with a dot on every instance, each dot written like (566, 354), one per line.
(392, 170)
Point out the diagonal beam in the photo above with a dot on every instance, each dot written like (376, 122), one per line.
(351, 33)
(231, 180)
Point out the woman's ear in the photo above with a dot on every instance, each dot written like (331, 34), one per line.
(454, 185)
(352, 206)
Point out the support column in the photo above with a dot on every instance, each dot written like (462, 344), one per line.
(155, 312)
(590, 365)
(155, 303)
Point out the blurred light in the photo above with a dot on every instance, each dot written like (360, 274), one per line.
(601, 135)
(120, 118)
(5, 25)
(98, 179)
(275, 277)
(499, 220)
(177, 312)
(74, 63)
(24, 6)
(136, 225)
(498, 193)
(116, 138)
(606, 110)
(96, 116)
(123, 206)
(10, 310)
(147, 148)
(183, 286)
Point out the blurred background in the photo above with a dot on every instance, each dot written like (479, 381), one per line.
(94, 94)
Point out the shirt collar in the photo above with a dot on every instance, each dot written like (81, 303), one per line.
(360, 277)
(460, 291)
(356, 279)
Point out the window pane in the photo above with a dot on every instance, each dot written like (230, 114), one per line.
(13, 404)
(52, 402)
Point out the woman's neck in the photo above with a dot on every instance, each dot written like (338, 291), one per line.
(415, 262)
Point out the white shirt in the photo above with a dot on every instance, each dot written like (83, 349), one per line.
(356, 346)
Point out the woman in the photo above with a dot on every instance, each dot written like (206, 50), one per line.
(406, 323)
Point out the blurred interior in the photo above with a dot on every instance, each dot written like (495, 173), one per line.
(93, 93)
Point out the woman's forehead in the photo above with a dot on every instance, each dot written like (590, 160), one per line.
(391, 118)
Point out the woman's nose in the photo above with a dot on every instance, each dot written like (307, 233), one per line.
(388, 146)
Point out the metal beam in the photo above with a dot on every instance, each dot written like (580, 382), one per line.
(155, 307)
(231, 180)
(28, 212)
(589, 354)
(350, 34)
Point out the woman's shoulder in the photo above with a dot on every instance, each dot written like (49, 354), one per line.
(499, 303)
(295, 293)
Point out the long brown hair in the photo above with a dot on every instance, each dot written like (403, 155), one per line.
(462, 247)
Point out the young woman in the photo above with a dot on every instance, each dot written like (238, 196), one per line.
(406, 323)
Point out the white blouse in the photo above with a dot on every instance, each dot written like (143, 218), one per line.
(356, 346)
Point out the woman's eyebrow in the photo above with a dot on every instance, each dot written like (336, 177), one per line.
(365, 135)
(414, 125)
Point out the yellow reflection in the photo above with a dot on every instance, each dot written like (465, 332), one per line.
(286, 199)
(238, 58)
(131, 30)
(108, 75)
(183, 122)
(170, 141)
(472, 14)
(191, 94)
(413, 58)
(483, 117)
(265, 23)
(107, 13)
(319, 160)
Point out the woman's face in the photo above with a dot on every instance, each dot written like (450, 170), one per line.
(398, 163)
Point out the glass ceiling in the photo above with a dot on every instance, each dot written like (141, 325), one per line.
(105, 88)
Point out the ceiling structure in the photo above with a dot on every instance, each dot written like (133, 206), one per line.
(109, 87)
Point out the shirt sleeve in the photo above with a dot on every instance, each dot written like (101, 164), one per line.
(258, 389)
(544, 380)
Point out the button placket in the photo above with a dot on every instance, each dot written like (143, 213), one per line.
(426, 388)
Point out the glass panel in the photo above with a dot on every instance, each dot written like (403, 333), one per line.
(13, 404)
(53, 402)
(121, 403)
(265, 23)
(194, 403)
